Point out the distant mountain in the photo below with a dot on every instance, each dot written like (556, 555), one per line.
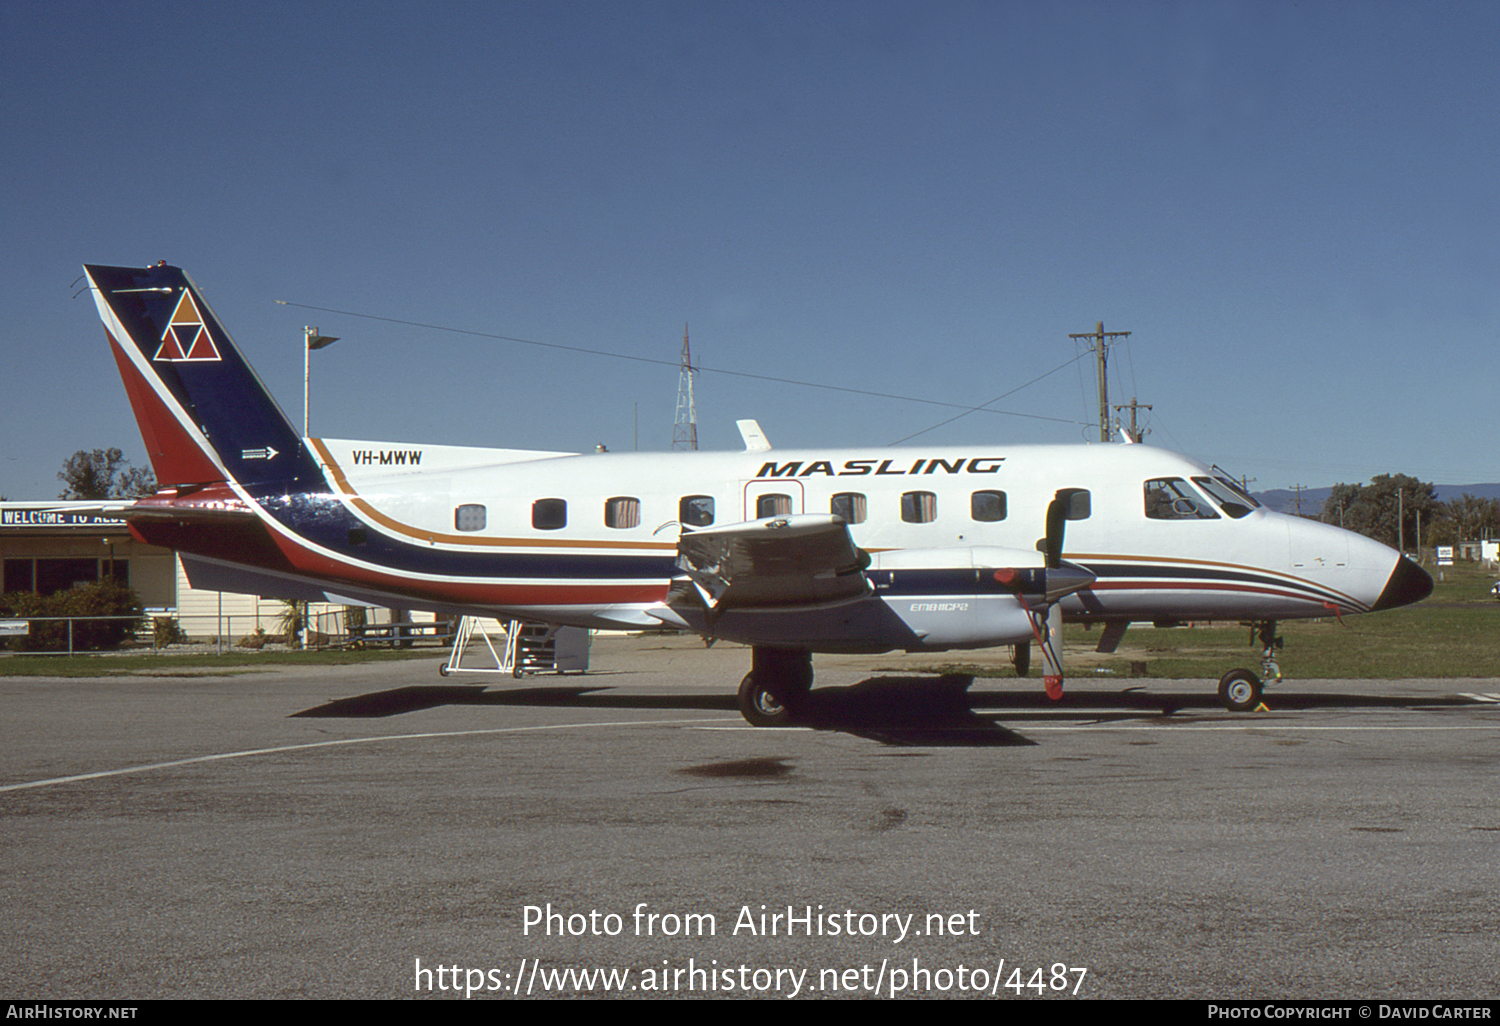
(1285, 500)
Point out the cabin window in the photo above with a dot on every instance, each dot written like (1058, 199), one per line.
(987, 507)
(622, 512)
(696, 510)
(469, 517)
(549, 514)
(848, 506)
(774, 504)
(918, 507)
(1172, 498)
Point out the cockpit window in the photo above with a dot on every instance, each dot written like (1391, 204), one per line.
(1172, 498)
(1232, 499)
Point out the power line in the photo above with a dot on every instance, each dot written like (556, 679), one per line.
(983, 406)
(670, 363)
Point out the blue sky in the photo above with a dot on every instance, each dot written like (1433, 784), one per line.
(1293, 207)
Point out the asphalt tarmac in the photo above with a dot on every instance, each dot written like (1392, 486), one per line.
(381, 832)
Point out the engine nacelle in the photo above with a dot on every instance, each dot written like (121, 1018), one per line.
(976, 597)
(918, 600)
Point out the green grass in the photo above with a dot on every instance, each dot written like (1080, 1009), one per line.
(1455, 632)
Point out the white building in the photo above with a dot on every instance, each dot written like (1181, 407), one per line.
(52, 546)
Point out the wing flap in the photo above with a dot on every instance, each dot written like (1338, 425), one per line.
(807, 559)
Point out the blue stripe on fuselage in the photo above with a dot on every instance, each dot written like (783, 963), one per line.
(326, 522)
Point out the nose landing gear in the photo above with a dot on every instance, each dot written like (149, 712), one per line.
(1240, 690)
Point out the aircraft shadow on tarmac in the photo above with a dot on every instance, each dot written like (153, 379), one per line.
(929, 711)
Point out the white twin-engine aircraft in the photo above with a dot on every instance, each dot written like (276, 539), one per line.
(789, 552)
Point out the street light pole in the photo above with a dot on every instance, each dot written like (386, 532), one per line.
(312, 340)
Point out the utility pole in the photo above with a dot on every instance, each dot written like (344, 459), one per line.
(685, 427)
(1100, 340)
(1134, 433)
(1401, 520)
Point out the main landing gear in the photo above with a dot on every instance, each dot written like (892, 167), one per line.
(778, 680)
(1240, 690)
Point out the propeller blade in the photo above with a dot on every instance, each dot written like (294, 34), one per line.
(1052, 671)
(1057, 519)
(1067, 504)
(1062, 579)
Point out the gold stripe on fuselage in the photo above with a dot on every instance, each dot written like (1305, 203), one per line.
(347, 492)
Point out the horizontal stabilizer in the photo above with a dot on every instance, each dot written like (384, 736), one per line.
(216, 505)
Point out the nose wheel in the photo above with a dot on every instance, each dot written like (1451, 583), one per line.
(1240, 690)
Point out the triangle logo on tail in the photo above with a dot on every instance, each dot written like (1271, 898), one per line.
(186, 338)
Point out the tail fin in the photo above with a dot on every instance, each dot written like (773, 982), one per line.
(203, 413)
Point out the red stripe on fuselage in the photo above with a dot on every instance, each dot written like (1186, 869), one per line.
(255, 544)
(324, 568)
(239, 541)
(1200, 586)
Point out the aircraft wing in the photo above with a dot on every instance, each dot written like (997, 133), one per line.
(805, 559)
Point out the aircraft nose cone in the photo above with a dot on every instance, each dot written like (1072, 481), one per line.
(1408, 583)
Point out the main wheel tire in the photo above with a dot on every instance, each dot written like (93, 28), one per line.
(1020, 658)
(1240, 690)
(762, 707)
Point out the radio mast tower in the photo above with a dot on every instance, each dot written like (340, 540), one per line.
(685, 428)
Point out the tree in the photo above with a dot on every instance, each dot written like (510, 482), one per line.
(104, 474)
(1473, 518)
(1387, 509)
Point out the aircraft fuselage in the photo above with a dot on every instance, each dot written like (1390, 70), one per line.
(590, 540)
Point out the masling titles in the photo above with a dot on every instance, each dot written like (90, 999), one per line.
(882, 468)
